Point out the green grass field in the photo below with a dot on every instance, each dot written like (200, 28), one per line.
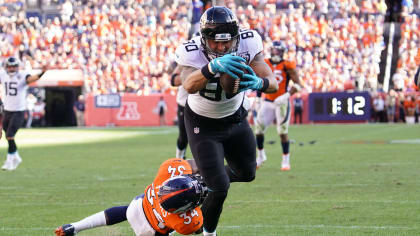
(355, 180)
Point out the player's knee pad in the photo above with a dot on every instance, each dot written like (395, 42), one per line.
(244, 175)
(282, 129)
(259, 127)
(248, 176)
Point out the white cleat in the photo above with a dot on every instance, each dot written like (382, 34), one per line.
(8, 164)
(285, 164)
(15, 161)
(261, 157)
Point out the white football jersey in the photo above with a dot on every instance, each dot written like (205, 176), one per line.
(15, 90)
(212, 101)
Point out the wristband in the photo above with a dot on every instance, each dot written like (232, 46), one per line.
(206, 72)
(173, 79)
(42, 73)
(266, 82)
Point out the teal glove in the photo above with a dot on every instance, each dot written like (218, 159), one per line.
(229, 64)
(250, 81)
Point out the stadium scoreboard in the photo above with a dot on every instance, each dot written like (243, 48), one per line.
(341, 106)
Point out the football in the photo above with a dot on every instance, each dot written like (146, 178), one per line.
(230, 85)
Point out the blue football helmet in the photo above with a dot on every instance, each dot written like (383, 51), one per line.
(11, 65)
(181, 193)
(277, 51)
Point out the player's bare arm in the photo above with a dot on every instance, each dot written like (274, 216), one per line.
(298, 83)
(262, 70)
(33, 78)
(192, 79)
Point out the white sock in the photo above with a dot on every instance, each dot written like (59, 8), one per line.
(180, 153)
(205, 233)
(89, 222)
(286, 157)
(261, 152)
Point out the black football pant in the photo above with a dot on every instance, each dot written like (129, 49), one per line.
(212, 140)
(182, 140)
(13, 120)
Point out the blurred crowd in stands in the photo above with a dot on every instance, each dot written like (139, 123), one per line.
(127, 45)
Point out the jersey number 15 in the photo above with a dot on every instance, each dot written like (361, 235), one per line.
(10, 89)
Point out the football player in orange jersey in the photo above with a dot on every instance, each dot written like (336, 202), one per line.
(277, 105)
(170, 203)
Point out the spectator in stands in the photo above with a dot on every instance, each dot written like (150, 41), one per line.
(401, 110)
(409, 108)
(79, 111)
(398, 80)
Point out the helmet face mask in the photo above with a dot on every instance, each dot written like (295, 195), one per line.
(277, 52)
(219, 29)
(11, 66)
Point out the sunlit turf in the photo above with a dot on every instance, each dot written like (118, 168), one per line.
(345, 180)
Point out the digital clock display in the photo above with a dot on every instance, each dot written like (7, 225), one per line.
(339, 106)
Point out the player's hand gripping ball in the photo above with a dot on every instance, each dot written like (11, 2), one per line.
(230, 84)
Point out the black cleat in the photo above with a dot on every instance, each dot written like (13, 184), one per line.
(65, 230)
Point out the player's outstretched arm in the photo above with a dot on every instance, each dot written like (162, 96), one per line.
(33, 78)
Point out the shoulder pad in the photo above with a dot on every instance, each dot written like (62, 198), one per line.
(189, 54)
(250, 44)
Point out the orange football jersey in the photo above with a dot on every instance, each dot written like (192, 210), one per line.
(279, 71)
(161, 220)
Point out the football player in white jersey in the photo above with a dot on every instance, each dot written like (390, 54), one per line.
(215, 121)
(15, 86)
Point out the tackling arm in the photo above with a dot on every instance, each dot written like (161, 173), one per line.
(262, 70)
